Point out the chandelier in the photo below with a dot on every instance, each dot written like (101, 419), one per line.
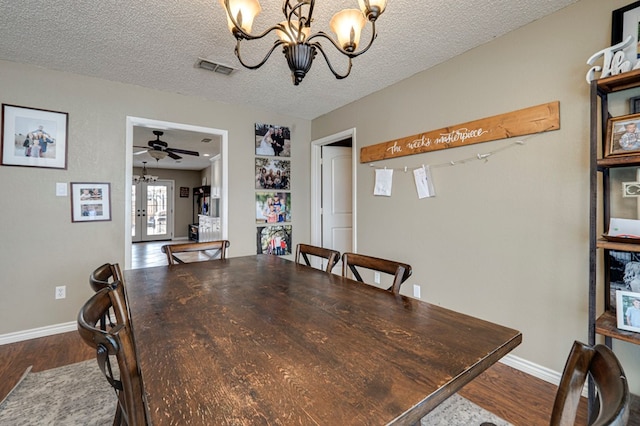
(146, 177)
(299, 45)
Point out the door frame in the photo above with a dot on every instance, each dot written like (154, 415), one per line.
(171, 184)
(132, 122)
(316, 184)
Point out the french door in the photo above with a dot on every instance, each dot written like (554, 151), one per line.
(152, 211)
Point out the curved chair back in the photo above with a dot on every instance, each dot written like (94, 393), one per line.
(304, 250)
(118, 342)
(610, 381)
(400, 271)
(104, 275)
(196, 252)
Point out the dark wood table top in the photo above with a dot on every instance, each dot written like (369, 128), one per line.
(262, 340)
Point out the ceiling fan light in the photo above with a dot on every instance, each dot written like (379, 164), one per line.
(158, 155)
(372, 9)
(290, 35)
(244, 11)
(348, 24)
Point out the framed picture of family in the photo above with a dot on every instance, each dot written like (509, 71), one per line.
(272, 140)
(272, 173)
(90, 202)
(273, 207)
(33, 137)
(623, 136)
(275, 240)
(628, 313)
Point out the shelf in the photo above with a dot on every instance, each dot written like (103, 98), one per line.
(607, 325)
(624, 81)
(610, 245)
(622, 161)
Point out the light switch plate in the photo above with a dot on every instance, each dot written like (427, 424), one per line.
(61, 189)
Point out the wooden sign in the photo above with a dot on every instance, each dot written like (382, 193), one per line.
(536, 119)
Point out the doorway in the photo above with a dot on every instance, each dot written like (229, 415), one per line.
(152, 211)
(220, 175)
(333, 191)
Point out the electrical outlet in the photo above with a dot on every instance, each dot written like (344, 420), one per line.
(61, 292)
(416, 291)
(376, 277)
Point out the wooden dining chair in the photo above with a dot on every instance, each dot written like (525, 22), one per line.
(400, 271)
(601, 364)
(103, 277)
(303, 251)
(195, 252)
(116, 342)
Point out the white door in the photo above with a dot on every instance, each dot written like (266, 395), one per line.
(337, 208)
(152, 211)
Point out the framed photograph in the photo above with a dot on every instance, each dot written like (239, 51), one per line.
(628, 314)
(622, 273)
(273, 141)
(34, 137)
(90, 202)
(272, 173)
(623, 136)
(275, 240)
(624, 23)
(273, 207)
(634, 105)
(184, 192)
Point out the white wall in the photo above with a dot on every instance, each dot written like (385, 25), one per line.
(505, 240)
(42, 249)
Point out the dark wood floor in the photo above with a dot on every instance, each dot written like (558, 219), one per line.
(511, 394)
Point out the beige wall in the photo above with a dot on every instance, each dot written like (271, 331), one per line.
(505, 240)
(42, 249)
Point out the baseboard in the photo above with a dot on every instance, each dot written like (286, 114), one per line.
(535, 370)
(34, 333)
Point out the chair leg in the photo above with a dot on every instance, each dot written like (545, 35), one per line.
(118, 419)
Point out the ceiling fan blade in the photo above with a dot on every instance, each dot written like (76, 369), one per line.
(174, 156)
(140, 152)
(183, 151)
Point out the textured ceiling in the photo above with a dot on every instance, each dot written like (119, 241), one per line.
(156, 44)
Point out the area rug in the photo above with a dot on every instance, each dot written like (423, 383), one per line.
(79, 395)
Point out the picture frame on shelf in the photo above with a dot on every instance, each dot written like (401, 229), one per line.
(634, 105)
(624, 23)
(628, 313)
(90, 202)
(33, 137)
(622, 273)
(623, 136)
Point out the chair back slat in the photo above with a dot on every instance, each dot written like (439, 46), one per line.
(609, 378)
(400, 271)
(210, 250)
(116, 341)
(304, 250)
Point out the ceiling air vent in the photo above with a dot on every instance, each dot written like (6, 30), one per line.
(212, 66)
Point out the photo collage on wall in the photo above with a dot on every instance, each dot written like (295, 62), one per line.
(273, 189)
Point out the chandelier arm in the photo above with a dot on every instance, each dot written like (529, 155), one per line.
(326, 59)
(340, 49)
(266, 57)
(239, 33)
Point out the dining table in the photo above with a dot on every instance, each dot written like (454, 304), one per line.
(262, 340)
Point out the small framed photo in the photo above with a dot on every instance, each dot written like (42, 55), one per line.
(34, 137)
(90, 202)
(273, 207)
(274, 240)
(624, 23)
(634, 105)
(184, 192)
(623, 136)
(628, 313)
(272, 173)
(272, 140)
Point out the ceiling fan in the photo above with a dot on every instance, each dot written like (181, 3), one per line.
(159, 149)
